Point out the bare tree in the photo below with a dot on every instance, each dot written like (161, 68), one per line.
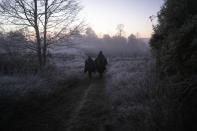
(120, 29)
(51, 20)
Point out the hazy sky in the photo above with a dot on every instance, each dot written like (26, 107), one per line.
(104, 15)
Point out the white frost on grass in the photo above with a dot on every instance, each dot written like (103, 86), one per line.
(70, 63)
(127, 93)
(67, 66)
(17, 85)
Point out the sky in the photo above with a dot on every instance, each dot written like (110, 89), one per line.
(103, 16)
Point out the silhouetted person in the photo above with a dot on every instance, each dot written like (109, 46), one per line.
(89, 66)
(101, 63)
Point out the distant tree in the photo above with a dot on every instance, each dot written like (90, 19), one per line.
(132, 40)
(120, 30)
(137, 44)
(13, 43)
(119, 40)
(90, 33)
(106, 38)
(132, 37)
(50, 19)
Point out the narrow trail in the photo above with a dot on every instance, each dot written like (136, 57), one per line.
(86, 107)
(81, 105)
(45, 112)
(59, 109)
(94, 111)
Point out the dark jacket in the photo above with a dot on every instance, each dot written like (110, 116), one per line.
(101, 63)
(89, 65)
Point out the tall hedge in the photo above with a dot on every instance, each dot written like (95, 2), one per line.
(174, 42)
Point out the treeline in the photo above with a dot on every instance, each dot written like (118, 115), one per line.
(174, 44)
(117, 45)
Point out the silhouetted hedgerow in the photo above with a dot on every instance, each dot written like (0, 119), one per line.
(174, 44)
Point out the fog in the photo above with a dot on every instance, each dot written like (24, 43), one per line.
(54, 77)
(116, 45)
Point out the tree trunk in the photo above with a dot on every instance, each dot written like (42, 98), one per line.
(45, 34)
(39, 52)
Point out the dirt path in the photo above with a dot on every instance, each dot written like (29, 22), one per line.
(93, 112)
(36, 112)
(89, 108)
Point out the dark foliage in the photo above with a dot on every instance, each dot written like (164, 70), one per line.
(174, 40)
(18, 64)
(174, 44)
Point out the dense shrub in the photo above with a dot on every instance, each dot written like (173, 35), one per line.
(18, 64)
(174, 44)
(174, 40)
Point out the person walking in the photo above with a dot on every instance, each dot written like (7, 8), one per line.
(89, 67)
(101, 63)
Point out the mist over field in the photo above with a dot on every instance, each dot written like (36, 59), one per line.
(58, 73)
(62, 92)
(118, 46)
